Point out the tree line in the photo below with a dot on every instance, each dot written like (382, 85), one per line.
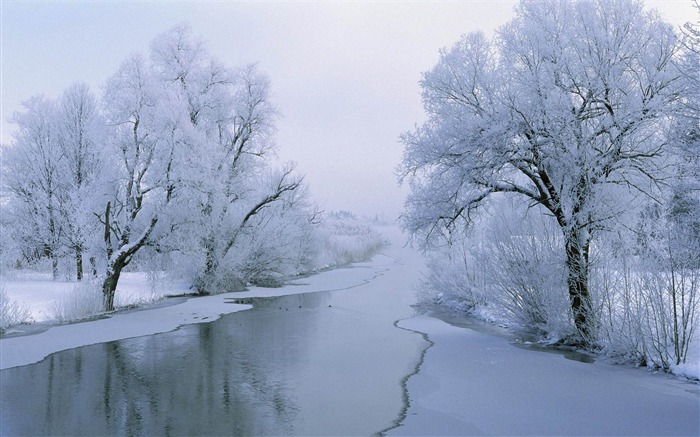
(172, 160)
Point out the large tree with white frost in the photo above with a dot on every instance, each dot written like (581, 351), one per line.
(565, 107)
(80, 140)
(228, 183)
(146, 136)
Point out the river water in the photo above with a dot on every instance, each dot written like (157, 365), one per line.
(324, 363)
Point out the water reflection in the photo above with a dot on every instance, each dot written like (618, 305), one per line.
(304, 364)
(201, 379)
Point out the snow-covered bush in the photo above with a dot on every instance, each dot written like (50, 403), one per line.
(346, 239)
(448, 283)
(282, 242)
(509, 269)
(288, 244)
(525, 275)
(82, 300)
(12, 313)
(619, 313)
(287, 240)
(649, 299)
(455, 278)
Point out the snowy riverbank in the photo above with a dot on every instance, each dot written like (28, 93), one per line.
(473, 383)
(21, 350)
(319, 363)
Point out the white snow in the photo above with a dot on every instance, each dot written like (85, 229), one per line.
(472, 383)
(38, 292)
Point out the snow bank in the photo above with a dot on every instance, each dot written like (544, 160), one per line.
(41, 295)
(472, 383)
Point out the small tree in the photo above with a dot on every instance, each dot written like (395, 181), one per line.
(564, 107)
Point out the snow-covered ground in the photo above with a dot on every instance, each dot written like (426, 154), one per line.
(41, 295)
(472, 383)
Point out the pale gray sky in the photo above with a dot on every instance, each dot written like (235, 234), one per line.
(344, 74)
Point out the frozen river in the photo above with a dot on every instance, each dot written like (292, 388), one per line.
(322, 363)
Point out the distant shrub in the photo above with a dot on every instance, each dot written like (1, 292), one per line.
(347, 239)
(12, 313)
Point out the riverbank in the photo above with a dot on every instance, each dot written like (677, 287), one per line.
(476, 383)
(26, 349)
(327, 360)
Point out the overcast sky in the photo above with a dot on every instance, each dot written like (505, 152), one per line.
(344, 74)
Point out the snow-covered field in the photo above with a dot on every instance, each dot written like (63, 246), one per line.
(43, 297)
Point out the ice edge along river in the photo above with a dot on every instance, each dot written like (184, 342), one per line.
(28, 349)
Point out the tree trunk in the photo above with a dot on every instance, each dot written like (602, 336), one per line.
(109, 286)
(206, 277)
(54, 266)
(577, 281)
(93, 266)
(79, 263)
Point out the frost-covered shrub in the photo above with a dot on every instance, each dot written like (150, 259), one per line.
(82, 301)
(648, 294)
(284, 242)
(618, 330)
(447, 283)
(509, 269)
(12, 313)
(279, 247)
(651, 316)
(525, 274)
(347, 239)
(454, 278)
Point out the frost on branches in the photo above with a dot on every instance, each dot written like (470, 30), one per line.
(170, 163)
(569, 108)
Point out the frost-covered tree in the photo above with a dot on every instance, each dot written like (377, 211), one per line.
(47, 174)
(189, 149)
(229, 184)
(174, 158)
(566, 107)
(48, 171)
(31, 177)
(81, 140)
(139, 179)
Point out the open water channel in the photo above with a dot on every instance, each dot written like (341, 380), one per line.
(323, 363)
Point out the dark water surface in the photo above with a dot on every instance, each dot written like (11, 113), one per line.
(324, 363)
